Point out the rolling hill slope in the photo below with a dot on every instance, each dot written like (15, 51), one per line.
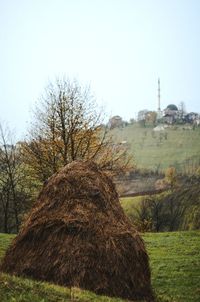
(178, 146)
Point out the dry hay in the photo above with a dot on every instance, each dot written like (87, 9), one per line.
(78, 235)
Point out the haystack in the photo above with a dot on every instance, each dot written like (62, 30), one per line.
(78, 235)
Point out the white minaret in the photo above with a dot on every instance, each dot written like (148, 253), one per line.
(159, 112)
(159, 95)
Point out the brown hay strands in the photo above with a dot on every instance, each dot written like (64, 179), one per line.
(78, 235)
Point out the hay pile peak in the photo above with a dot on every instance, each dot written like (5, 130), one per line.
(77, 234)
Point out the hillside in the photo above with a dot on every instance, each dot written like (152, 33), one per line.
(174, 259)
(178, 146)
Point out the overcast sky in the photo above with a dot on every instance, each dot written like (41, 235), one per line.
(119, 47)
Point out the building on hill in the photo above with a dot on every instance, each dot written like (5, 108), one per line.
(170, 114)
(115, 121)
(172, 107)
(159, 128)
(191, 118)
(173, 115)
(197, 121)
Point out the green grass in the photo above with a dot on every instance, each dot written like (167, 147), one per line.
(128, 203)
(175, 263)
(174, 260)
(26, 290)
(5, 240)
(152, 153)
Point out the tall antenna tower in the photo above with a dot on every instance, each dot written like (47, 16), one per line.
(158, 94)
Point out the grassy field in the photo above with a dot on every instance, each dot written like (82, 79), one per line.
(128, 203)
(174, 260)
(14, 289)
(158, 150)
(175, 263)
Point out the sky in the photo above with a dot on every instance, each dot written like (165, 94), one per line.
(118, 47)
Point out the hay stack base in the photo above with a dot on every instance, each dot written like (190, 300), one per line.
(78, 235)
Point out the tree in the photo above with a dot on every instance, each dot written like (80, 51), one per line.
(149, 214)
(7, 179)
(141, 216)
(151, 117)
(159, 213)
(67, 126)
(142, 117)
(14, 194)
(171, 177)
